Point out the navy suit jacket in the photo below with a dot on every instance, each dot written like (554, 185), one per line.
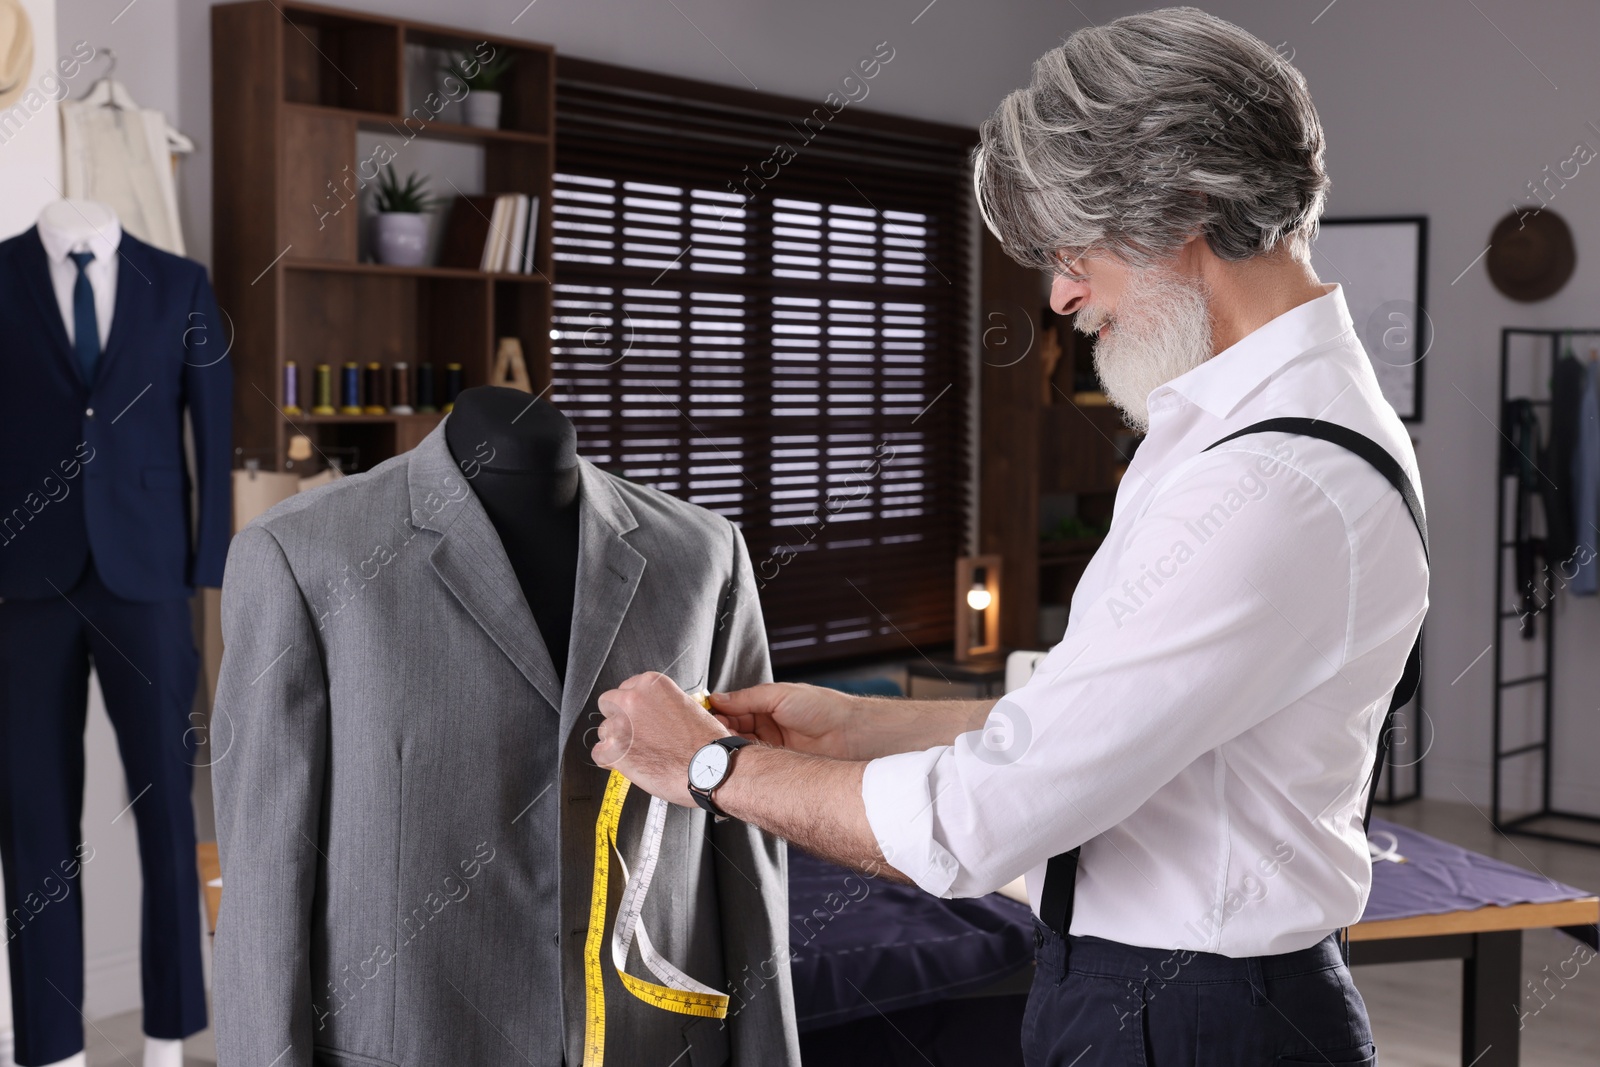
(97, 471)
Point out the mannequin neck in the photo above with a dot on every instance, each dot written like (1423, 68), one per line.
(75, 222)
(519, 452)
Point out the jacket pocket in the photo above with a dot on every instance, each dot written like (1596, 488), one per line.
(708, 1042)
(161, 478)
(323, 1056)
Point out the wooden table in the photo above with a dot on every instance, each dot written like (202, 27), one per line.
(210, 871)
(1488, 942)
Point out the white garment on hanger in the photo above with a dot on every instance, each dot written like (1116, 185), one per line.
(120, 154)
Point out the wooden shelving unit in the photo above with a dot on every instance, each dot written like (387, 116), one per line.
(292, 86)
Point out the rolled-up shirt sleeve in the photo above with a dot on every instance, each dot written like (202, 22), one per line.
(1228, 599)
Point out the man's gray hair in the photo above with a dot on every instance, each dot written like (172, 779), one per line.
(1136, 135)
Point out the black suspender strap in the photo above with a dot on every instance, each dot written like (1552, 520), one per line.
(1061, 873)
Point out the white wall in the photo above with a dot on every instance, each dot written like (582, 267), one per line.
(1429, 108)
(30, 138)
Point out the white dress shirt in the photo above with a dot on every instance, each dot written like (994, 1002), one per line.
(1206, 727)
(103, 241)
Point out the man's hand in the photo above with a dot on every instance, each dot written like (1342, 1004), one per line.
(805, 718)
(651, 731)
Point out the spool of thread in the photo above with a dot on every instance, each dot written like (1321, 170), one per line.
(322, 397)
(400, 389)
(373, 390)
(350, 394)
(425, 404)
(291, 388)
(452, 384)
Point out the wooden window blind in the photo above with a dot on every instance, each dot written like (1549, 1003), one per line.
(777, 339)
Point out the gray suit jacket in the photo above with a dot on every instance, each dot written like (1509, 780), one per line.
(405, 799)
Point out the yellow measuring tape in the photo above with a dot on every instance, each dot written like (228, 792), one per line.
(683, 995)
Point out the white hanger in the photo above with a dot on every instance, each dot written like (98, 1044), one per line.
(108, 92)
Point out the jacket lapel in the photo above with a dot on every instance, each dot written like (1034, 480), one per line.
(36, 278)
(472, 563)
(609, 570)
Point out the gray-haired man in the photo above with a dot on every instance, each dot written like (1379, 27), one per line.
(1183, 780)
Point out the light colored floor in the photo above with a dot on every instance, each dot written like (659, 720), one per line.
(119, 1042)
(1415, 1007)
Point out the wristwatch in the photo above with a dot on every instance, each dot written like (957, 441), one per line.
(710, 767)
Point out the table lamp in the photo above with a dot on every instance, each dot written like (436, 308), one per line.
(977, 607)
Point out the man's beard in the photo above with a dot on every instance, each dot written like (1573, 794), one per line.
(1161, 329)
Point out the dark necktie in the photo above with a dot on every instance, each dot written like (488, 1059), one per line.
(85, 327)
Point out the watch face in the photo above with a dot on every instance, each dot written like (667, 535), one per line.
(708, 767)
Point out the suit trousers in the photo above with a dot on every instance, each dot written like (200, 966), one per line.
(1097, 1003)
(145, 657)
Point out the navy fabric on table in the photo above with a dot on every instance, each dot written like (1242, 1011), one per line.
(1438, 877)
(860, 946)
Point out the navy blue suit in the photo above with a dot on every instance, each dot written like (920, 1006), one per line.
(97, 564)
(112, 483)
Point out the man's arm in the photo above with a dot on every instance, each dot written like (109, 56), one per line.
(825, 722)
(810, 801)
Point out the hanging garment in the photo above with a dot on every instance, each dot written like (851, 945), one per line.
(120, 154)
(1518, 459)
(407, 814)
(1567, 383)
(1586, 485)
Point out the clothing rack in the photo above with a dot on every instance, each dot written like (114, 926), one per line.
(1505, 542)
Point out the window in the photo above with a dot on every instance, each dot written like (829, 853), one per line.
(780, 343)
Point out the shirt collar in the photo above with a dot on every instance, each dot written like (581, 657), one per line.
(1221, 382)
(102, 241)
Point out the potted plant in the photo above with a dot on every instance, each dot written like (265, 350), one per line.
(402, 231)
(483, 78)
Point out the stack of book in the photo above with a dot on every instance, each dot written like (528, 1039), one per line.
(492, 233)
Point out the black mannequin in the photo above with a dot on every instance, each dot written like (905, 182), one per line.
(520, 455)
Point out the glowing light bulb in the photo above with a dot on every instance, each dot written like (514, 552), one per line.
(979, 598)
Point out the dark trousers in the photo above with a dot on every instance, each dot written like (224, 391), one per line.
(1097, 1003)
(146, 661)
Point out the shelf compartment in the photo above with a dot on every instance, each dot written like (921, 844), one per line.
(359, 317)
(342, 60)
(526, 96)
(524, 313)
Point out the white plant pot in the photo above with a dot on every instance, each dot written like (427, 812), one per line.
(402, 238)
(481, 108)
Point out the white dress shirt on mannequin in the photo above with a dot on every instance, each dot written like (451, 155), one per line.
(82, 226)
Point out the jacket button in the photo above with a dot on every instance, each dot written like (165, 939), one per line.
(90, 413)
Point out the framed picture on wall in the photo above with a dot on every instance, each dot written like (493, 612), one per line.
(1382, 263)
